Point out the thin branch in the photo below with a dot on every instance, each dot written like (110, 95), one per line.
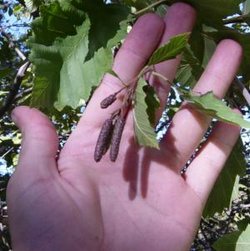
(8, 151)
(243, 89)
(153, 5)
(12, 45)
(237, 19)
(154, 73)
(21, 25)
(245, 206)
(24, 92)
(14, 89)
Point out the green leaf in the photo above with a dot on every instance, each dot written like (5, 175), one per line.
(195, 56)
(33, 4)
(196, 41)
(170, 50)
(43, 93)
(144, 132)
(227, 184)
(246, 7)
(61, 66)
(5, 72)
(90, 74)
(152, 102)
(216, 108)
(105, 24)
(190, 69)
(236, 241)
(54, 23)
(209, 47)
(70, 65)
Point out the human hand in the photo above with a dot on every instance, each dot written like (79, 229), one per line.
(140, 202)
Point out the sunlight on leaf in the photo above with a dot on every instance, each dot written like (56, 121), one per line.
(170, 50)
(216, 108)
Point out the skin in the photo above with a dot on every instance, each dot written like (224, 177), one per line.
(140, 202)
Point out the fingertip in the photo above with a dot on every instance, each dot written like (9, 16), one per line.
(18, 113)
(39, 137)
(145, 34)
(150, 20)
(39, 144)
(225, 135)
(230, 46)
(183, 14)
(31, 121)
(183, 8)
(22, 114)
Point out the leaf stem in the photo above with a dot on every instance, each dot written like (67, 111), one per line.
(140, 12)
(157, 74)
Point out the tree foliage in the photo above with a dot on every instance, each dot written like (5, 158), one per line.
(71, 44)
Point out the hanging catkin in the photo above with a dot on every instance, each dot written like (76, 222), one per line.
(103, 140)
(116, 138)
(108, 101)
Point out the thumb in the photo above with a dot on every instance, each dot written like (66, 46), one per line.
(39, 142)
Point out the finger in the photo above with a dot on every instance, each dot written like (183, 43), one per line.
(39, 143)
(206, 167)
(188, 123)
(130, 59)
(180, 18)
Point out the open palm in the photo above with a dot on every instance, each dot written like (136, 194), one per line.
(140, 202)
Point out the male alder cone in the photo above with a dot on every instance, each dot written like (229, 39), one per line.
(103, 140)
(108, 101)
(116, 138)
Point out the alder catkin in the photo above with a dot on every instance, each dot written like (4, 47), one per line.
(103, 140)
(108, 101)
(116, 138)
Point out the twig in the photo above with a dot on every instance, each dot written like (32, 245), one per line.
(245, 206)
(18, 79)
(8, 151)
(237, 19)
(14, 89)
(24, 92)
(243, 89)
(12, 45)
(157, 74)
(153, 5)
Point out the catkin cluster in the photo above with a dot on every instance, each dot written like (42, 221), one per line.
(111, 131)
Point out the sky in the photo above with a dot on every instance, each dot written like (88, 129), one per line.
(17, 27)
